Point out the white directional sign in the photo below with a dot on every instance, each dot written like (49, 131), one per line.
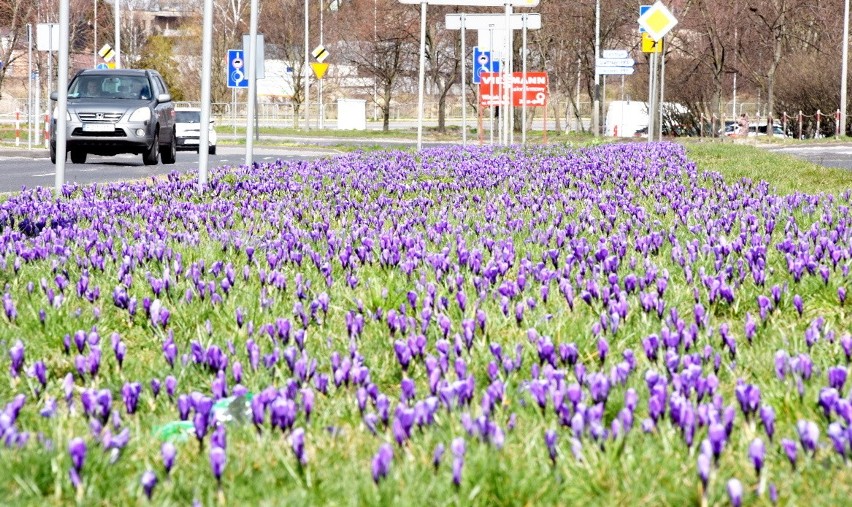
(624, 71)
(657, 21)
(486, 21)
(475, 3)
(615, 53)
(615, 62)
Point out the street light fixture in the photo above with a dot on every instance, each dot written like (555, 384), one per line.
(844, 68)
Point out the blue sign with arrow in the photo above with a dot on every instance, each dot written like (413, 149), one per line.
(236, 69)
(482, 62)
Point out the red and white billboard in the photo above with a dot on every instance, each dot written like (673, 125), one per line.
(491, 89)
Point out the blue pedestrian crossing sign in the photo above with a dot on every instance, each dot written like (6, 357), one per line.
(482, 62)
(237, 77)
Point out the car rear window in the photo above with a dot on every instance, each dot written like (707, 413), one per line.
(188, 116)
(110, 87)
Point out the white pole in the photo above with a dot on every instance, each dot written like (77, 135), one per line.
(524, 73)
(116, 8)
(652, 72)
(491, 86)
(30, 87)
(506, 113)
(577, 107)
(421, 79)
(596, 106)
(252, 84)
(62, 99)
(49, 70)
(463, 82)
(662, 86)
(307, 72)
(321, 112)
(204, 127)
(844, 68)
(37, 109)
(95, 42)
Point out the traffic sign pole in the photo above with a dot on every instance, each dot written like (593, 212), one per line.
(524, 69)
(206, 56)
(596, 106)
(421, 78)
(662, 87)
(62, 99)
(463, 82)
(252, 85)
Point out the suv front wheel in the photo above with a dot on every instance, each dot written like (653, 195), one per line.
(150, 157)
(169, 155)
(78, 156)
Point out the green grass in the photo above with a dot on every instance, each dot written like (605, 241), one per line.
(785, 174)
(636, 470)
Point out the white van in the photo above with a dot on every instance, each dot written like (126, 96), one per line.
(625, 117)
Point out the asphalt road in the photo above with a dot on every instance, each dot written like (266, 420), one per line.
(829, 155)
(19, 169)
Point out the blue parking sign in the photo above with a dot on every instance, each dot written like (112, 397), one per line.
(236, 69)
(482, 63)
(642, 10)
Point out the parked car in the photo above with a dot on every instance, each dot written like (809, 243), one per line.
(118, 111)
(188, 130)
(755, 129)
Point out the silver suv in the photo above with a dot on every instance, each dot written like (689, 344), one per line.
(118, 111)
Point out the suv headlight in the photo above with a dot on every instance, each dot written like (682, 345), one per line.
(141, 114)
(56, 113)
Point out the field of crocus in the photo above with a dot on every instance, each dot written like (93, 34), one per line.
(601, 326)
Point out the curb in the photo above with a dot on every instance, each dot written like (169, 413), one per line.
(24, 153)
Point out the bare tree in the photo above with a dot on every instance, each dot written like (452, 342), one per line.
(17, 14)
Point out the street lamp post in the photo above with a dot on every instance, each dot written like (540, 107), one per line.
(596, 107)
(116, 8)
(844, 67)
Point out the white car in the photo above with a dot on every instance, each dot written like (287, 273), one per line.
(188, 130)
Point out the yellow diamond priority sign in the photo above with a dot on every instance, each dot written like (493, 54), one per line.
(657, 21)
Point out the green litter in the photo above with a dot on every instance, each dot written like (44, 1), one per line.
(230, 410)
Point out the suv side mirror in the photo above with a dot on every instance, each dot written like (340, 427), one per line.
(54, 96)
(164, 97)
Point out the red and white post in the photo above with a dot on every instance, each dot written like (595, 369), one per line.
(17, 128)
(46, 130)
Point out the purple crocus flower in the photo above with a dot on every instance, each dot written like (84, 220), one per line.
(148, 481)
(808, 435)
(790, 449)
(77, 450)
(218, 459)
(437, 455)
(767, 417)
(735, 492)
(838, 438)
(757, 454)
(717, 436)
(550, 438)
(837, 377)
(168, 453)
(704, 469)
(16, 356)
(297, 443)
(381, 462)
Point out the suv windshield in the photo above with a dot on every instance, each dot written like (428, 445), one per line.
(188, 117)
(110, 87)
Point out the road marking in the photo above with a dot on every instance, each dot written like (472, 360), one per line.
(43, 175)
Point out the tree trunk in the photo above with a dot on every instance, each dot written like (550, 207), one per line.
(385, 107)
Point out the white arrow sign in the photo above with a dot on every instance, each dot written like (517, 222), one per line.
(476, 3)
(624, 71)
(615, 53)
(615, 62)
(486, 21)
